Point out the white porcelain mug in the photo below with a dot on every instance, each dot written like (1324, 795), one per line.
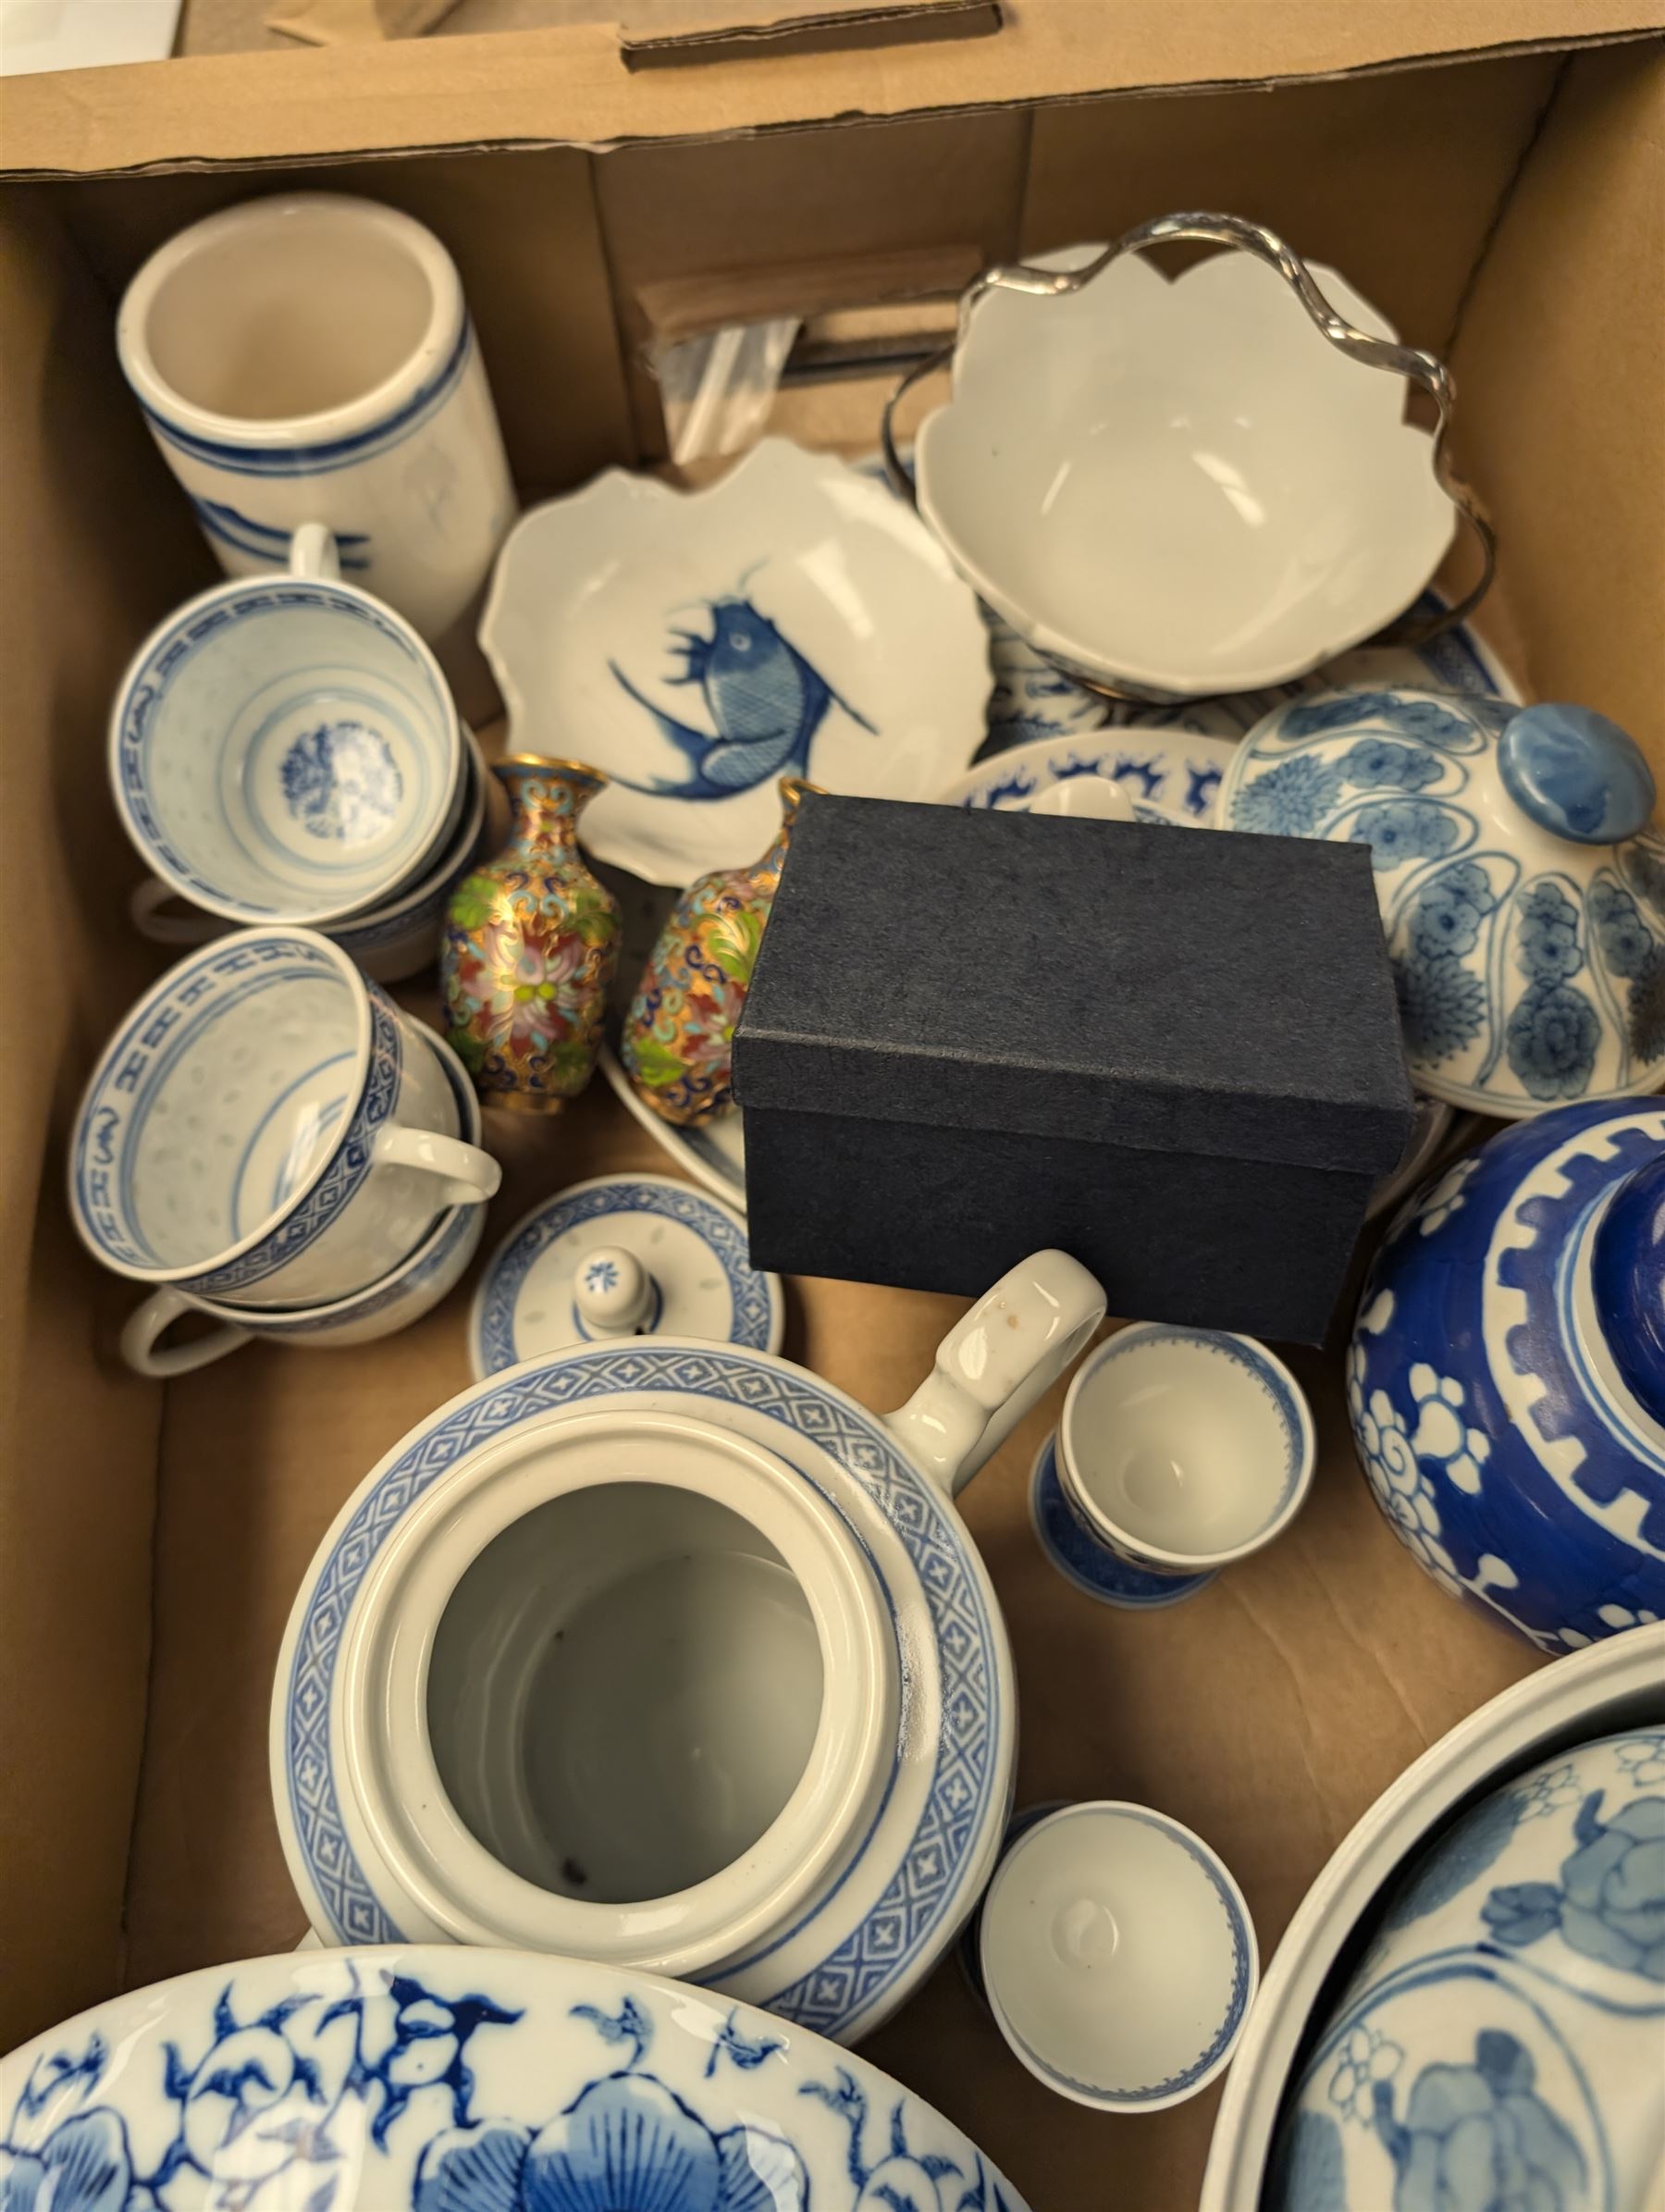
(390, 1303)
(287, 751)
(309, 357)
(266, 1128)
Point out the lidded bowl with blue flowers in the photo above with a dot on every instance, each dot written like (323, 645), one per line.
(1501, 2045)
(1523, 891)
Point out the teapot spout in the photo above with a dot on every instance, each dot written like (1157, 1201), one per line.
(996, 1363)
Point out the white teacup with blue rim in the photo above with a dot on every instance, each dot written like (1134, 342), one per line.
(266, 1128)
(393, 1302)
(1117, 1956)
(286, 749)
(1179, 1451)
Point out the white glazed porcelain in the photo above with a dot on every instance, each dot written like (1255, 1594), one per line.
(265, 1128)
(714, 1155)
(665, 1651)
(1617, 1684)
(1117, 1956)
(791, 619)
(434, 2080)
(1161, 773)
(404, 1295)
(1181, 487)
(621, 1256)
(1506, 2020)
(1179, 1451)
(287, 751)
(391, 941)
(309, 357)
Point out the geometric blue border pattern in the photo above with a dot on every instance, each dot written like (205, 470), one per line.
(1236, 2003)
(927, 1896)
(752, 1307)
(327, 454)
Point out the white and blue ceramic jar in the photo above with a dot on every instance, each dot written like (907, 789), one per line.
(1499, 2048)
(1506, 1379)
(1522, 888)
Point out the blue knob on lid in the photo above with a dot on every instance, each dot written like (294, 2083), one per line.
(1575, 774)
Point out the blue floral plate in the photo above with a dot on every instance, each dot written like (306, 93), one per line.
(440, 2080)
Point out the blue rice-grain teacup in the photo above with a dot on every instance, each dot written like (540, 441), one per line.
(268, 1128)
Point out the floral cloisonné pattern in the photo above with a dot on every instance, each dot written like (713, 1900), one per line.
(386, 2083)
(529, 949)
(677, 1041)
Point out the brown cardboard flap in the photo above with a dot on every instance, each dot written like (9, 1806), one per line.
(680, 307)
(664, 32)
(570, 85)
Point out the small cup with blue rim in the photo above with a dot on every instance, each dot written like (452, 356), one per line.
(1179, 1451)
(1118, 1956)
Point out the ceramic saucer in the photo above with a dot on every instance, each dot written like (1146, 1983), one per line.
(714, 1155)
(1169, 772)
(1090, 1566)
(621, 1256)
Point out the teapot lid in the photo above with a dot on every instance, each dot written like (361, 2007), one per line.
(1521, 884)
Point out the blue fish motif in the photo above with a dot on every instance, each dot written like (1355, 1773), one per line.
(765, 702)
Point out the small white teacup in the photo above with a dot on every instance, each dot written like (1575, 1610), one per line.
(1117, 1956)
(265, 1128)
(1179, 1451)
(286, 749)
(390, 1303)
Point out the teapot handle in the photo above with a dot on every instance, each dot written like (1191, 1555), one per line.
(994, 1363)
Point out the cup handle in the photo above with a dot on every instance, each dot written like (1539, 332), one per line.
(469, 1174)
(993, 1365)
(154, 1319)
(193, 927)
(313, 554)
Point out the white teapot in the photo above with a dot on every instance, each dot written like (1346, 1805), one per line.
(668, 1655)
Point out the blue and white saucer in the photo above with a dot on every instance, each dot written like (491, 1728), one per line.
(620, 1256)
(714, 1157)
(1089, 1566)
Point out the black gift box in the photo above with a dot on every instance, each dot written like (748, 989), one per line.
(1174, 1053)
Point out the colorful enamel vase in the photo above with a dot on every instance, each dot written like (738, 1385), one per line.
(530, 945)
(676, 1043)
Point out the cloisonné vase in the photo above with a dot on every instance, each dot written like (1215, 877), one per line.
(529, 947)
(677, 1040)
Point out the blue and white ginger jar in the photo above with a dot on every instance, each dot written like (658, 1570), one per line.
(1506, 1379)
(1522, 891)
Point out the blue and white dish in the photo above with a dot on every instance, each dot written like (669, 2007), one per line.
(1522, 891)
(266, 1128)
(1179, 1451)
(660, 1650)
(287, 750)
(389, 1304)
(1083, 1559)
(791, 619)
(559, 1275)
(436, 2080)
(1506, 1381)
(714, 1155)
(1500, 2041)
(1118, 1956)
(1169, 775)
(1615, 1686)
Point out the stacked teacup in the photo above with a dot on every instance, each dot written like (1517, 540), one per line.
(270, 1140)
(284, 748)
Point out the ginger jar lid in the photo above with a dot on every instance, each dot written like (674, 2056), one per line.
(1520, 879)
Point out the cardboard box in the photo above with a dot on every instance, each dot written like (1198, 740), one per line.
(971, 1033)
(1488, 171)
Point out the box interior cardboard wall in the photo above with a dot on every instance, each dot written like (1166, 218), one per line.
(1500, 203)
